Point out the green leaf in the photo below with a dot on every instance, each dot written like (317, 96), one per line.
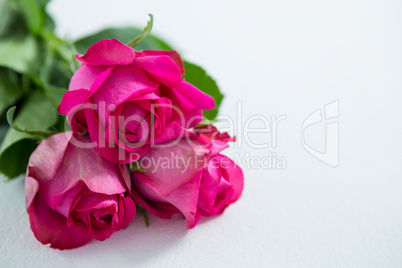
(14, 159)
(54, 94)
(33, 15)
(6, 17)
(19, 53)
(10, 89)
(3, 131)
(61, 125)
(55, 75)
(43, 3)
(145, 33)
(199, 78)
(37, 113)
(124, 35)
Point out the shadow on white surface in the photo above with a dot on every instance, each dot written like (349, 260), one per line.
(137, 244)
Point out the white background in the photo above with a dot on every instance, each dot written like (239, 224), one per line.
(278, 58)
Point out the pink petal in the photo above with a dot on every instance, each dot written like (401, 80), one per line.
(108, 52)
(126, 176)
(96, 201)
(104, 146)
(129, 213)
(233, 174)
(173, 54)
(72, 100)
(121, 85)
(193, 94)
(77, 120)
(85, 76)
(183, 199)
(185, 110)
(159, 66)
(211, 137)
(197, 219)
(177, 127)
(31, 187)
(209, 188)
(63, 202)
(48, 156)
(165, 174)
(160, 209)
(52, 164)
(223, 199)
(50, 227)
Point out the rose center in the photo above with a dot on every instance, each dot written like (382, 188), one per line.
(134, 123)
(107, 218)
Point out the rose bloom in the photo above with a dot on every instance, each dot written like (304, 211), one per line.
(127, 99)
(73, 194)
(189, 178)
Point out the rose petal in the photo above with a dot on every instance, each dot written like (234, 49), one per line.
(52, 163)
(160, 209)
(193, 94)
(64, 202)
(96, 201)
(211, 137)
(85, 76)
(108, 52)
(105, 147)
(122, 84)
(159, 66)
(129, 213)
(224, 197)
(173, 54)
(183, 199)
(72, 100)
(169, 169)
(209, 188)
(50, 227)
(48, 156)
(233, 174)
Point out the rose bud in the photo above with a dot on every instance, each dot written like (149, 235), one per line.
(189, 178)
(127, 99)
(73, 194)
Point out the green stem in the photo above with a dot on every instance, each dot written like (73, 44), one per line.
(36, 133)
(144, 33)
(144, 213)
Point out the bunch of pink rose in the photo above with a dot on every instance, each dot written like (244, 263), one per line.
(135, 140)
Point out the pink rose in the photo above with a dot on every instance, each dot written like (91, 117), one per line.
(127, 99)
(73, 194)
(189, 178)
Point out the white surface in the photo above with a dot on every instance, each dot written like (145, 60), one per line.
(277, 57)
